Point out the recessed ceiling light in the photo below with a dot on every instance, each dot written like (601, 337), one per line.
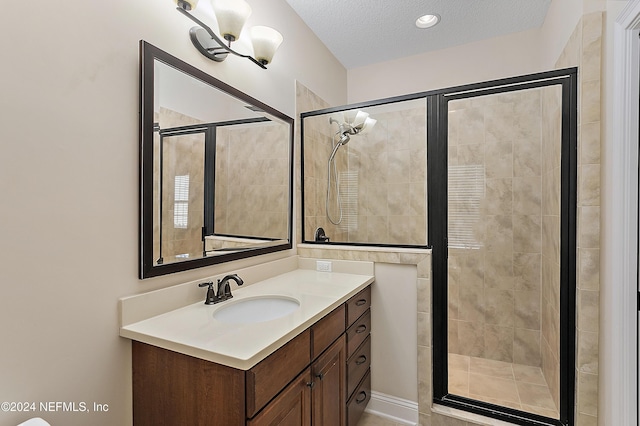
(427, 21)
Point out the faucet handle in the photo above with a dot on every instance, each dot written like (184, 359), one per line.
(211, 297)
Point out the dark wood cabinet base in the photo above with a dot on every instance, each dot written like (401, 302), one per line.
(175, 389)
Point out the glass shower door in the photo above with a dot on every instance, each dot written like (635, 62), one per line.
(505, 281)
(178, 195)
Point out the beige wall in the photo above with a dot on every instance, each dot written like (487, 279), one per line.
(500, 57)
(69, 170)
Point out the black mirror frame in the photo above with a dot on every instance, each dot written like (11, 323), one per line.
(147, 268)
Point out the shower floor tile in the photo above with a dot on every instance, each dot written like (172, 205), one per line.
(516, 386)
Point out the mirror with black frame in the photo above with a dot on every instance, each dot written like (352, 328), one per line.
(216, 170)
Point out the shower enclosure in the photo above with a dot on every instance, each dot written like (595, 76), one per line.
(510, 250)
(496, 163)
(366, 184)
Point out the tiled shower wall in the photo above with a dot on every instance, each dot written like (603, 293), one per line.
(495, 287)
(382, 178)
(252, 180)
(551, 184)
(390, 163)
(584, 49)
(318, 137)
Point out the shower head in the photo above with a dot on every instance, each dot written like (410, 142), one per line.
(344, 138)
(352, 122)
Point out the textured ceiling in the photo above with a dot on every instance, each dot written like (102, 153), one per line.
(363, 32)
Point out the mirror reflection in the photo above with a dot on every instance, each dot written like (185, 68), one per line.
(218, 181)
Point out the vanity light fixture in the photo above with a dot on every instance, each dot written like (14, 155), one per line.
(427, 21)
(231, 16)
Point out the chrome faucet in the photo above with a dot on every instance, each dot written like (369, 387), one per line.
(224, 289)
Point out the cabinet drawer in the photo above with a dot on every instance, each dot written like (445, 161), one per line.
(359, 400)
(358, 332)
(327, 330)
(275, 372)
(358, 365)
(357, 305)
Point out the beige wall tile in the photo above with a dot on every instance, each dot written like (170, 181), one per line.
(588, 394)
(498, 307)
(588, 310)
(527, 309)
(589, 227)
(589, 269)
(498, 343)
(592, 26)
(527, 271)
(590, 139)
(471, 338)
(587, 352)
(526, 347)
(589, 185)
(527, 193)
(526, 158)
(424, 329)
(590, 103)
(526, 233)
(499, 197)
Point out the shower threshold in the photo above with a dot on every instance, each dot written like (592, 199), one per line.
(517, 386)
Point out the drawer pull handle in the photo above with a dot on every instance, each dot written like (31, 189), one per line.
(311, 384)
(361, 329)
(361, 360)
(362, 396)
(320, 376)
(361, 302)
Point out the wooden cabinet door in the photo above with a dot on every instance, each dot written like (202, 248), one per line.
(292, 407)
(329, 390)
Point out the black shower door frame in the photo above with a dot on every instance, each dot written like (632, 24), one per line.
(437, 178)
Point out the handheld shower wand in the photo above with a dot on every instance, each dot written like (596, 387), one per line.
(359, 121)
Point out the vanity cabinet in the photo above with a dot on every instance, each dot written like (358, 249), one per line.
(358, 355)
(319, 378)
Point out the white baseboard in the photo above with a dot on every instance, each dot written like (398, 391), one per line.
(396, 409)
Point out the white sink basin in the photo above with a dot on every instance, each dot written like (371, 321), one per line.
(256, 309)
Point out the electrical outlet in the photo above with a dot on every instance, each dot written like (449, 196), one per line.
(323, 266)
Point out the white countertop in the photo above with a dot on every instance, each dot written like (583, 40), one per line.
(192, 330)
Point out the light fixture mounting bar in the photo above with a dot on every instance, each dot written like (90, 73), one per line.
(215, 51)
